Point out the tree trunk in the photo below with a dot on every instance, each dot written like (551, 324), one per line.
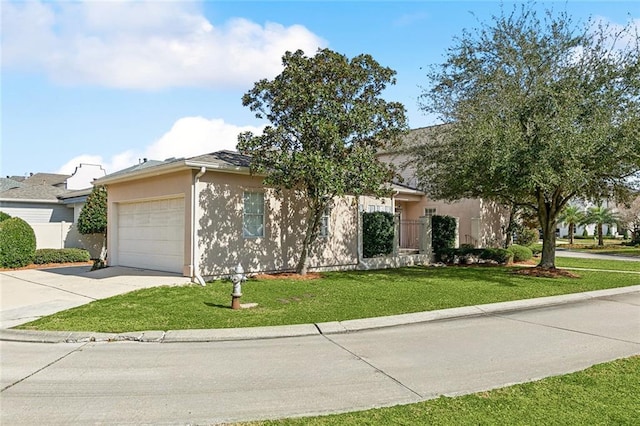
(313, 226)
(571, 232)
(547, 215)
(600, 236)
(548, 260)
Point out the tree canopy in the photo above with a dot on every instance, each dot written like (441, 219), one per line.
(536, 110)
(328, 121)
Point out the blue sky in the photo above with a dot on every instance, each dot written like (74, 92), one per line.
(111, 82)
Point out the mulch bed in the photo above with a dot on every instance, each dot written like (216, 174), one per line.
(288, 276)
(544, 273)
(49, 266)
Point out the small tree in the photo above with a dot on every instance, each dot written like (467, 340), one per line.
(571, 216)
(600, 215)
(93, 219)
(377, 233)
(328, 122)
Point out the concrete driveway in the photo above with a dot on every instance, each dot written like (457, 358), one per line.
(30, 294)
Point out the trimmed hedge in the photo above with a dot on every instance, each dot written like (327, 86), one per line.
(443, 232)
(377, 233)
(520, 253)
(66, 255)
(469, 255)
(17, 243)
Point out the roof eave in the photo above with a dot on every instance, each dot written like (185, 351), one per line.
(169, 168)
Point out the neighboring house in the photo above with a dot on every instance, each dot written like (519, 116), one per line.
(480, 222)
(45, 201)
(203, 215)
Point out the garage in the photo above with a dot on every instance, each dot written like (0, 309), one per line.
(151, 234)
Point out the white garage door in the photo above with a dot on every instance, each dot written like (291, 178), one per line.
(151, 234)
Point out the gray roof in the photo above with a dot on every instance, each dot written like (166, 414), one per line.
(8, 183)
(52, 179)
(140, 166)
(226, 158)
(33, 192)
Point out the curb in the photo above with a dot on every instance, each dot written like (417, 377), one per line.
(299, 330)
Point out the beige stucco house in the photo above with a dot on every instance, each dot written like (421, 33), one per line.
(480, 222)
(203, 215)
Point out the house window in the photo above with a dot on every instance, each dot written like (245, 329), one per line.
(253, 215)
(429, 212)
(380, 208)
(324, 222)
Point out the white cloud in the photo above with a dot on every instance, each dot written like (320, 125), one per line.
(192, 136)
(188, 137)
(144, 44)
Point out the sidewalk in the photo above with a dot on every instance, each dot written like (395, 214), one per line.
(326, 328)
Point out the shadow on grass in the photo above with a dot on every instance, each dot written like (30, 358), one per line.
(217, 305)
(499, 275)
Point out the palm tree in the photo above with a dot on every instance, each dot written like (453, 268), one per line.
(571, 216)
(600, 215)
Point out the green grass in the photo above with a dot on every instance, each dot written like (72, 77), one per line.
(614, 265)
(336, 296)
(606, 394)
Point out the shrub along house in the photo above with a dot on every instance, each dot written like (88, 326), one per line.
(203, 215)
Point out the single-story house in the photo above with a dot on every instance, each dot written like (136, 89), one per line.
(203, 215)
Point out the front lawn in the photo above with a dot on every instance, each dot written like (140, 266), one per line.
(606, 394)
(612, 265)
(333, 297)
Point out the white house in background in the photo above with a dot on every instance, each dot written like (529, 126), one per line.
(51, 204)
(563, 229)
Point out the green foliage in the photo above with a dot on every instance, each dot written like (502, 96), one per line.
(65, 255)
(520, 253)
(536, 249)
(17, 243)
(530, 122)
(93, 216)
(4, 216)
(443, 231)
(571, 216)
(600, 215)
(500, 255)
(585, 233)
(377, 233)
(328, 122)
(528, 236)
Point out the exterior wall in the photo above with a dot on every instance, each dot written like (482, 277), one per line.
(494, 221)
(221, 245)
(34, 212)
(171, 185)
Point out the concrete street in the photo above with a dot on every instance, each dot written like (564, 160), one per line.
(214, 382)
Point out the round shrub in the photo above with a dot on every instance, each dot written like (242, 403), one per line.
(500, 255)
(520, 253)
(17, 243)
(4, 216)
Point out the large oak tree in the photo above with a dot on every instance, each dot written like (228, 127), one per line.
(328, 121)
(537, 110)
